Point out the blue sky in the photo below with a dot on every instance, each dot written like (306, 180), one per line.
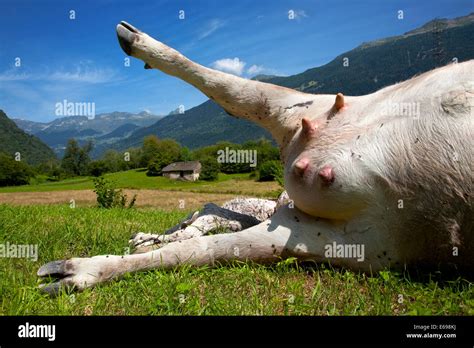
(80, 60)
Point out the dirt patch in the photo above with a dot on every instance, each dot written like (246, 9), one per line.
(168, 200)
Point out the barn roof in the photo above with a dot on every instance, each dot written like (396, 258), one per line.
(194, 166)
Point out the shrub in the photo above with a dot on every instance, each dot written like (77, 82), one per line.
(13, 173)
(110, 197)
(271, 170)
(97, 168)
(154, 168)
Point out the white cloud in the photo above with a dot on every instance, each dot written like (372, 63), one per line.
(233, 66)
(236, 66)
(81, 73)
(211, 27)
(11, 75)
(255, 69)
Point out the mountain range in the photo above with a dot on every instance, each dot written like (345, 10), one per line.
(102, 129)
(363, 70)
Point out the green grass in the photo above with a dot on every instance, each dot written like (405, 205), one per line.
(133, 179)
(248, 289)
(137, 179)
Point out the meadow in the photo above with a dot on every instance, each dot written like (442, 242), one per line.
(287, 288)
(237, 184)
(154, 192)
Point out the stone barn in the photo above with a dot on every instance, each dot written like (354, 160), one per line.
(183, 170)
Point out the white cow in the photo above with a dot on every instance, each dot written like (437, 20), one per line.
(381, 180)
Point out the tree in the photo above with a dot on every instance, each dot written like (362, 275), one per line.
(209, 169)
(159, 153)
(115, 161)
(169, 151)
(237, 166)
(52, 169)
(185, 154)
(13, 173)
(56, 174)
(97, 168)
(134, 157)
(266, 151)
(153, 169)
(76, 158)
(150, 150)
(271, 170)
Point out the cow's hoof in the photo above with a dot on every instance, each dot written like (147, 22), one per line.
(75, 273)
(53, 269)
(52, 289)
(127, 34)
(55, 274)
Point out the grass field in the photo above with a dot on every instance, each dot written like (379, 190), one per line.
(287, 288)
(62, 232)
(237, 184)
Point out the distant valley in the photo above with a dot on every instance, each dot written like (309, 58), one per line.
(103, 129)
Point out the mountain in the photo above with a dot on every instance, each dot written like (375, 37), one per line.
(380, 63)
(30, 127)
(57, 132)
(263, 77)
(372, 65)
(13, 140)
(202, 125)
(121, 132)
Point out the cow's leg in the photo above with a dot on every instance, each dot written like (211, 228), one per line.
(275, 108)
(265, 242)
(289, 232)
